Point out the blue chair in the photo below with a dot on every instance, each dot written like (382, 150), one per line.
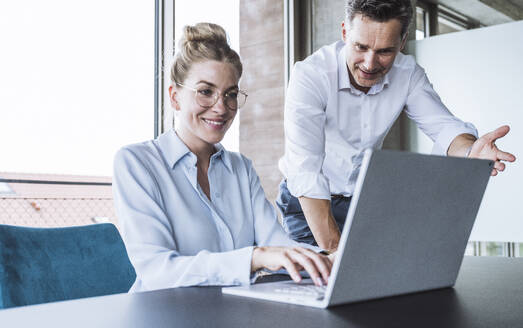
(39, 265)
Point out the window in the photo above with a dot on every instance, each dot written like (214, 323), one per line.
(421, 23)
(470, 250)
(434, 19)
(76, 83)
(494, 249)
(450, 21)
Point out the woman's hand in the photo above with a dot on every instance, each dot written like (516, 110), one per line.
(293, 259)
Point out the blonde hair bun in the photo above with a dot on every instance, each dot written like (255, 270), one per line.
(199, 43)
(204, 32)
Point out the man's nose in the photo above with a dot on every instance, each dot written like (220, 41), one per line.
(371, 62)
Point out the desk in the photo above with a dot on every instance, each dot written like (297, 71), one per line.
(488, 293)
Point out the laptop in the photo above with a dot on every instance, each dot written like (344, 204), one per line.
(406, 231)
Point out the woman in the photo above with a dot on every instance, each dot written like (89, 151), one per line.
(191, 212)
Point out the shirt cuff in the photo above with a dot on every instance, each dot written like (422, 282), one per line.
(448, 134)
(232, 269)
(311, 185)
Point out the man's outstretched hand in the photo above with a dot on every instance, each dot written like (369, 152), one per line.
(485, 148)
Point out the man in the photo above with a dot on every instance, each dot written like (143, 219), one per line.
(344, 98)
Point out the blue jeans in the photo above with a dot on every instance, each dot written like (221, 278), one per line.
(294, 221)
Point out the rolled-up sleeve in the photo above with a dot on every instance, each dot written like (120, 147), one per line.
(425, 107)
(304, 124)
(148, 235)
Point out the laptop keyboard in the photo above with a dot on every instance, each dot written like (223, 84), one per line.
(306, 290)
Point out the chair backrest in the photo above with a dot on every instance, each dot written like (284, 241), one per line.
(39, 265)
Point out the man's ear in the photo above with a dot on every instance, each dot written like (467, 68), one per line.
(172, 97)
(343, 31)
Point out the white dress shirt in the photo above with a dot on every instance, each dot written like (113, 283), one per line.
(174, 234)
(328, 123)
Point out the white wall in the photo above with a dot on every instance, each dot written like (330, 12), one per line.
(479, 76)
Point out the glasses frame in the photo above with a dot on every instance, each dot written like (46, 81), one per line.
(218, 95)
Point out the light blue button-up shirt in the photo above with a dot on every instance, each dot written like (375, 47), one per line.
(175, 235)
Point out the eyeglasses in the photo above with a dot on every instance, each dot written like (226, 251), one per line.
(207, 96)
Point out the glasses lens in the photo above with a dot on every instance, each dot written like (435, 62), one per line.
(235, 99)
(231, 99)
(241, 99)
(206, 97)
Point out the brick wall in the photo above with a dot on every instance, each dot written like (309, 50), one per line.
(261, 120)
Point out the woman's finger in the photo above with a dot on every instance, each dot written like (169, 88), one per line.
(307, 264)
(321, 262)
(291, 267)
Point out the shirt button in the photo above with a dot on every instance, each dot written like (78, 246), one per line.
(217, 195)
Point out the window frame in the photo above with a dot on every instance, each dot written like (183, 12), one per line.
(164, 55)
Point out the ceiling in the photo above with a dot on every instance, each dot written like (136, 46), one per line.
(487, 12)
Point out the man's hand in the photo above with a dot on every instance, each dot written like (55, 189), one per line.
(485, 148)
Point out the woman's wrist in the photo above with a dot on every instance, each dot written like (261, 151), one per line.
(255, 260)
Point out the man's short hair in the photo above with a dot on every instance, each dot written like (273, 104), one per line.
(381, 11)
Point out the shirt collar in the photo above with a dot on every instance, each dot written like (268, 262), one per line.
(377, 88)
(174, 150)
(344, 80)
(172, 147)
(224, 155)
(343, 71)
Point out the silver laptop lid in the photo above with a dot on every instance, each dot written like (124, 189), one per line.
(408, 224)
